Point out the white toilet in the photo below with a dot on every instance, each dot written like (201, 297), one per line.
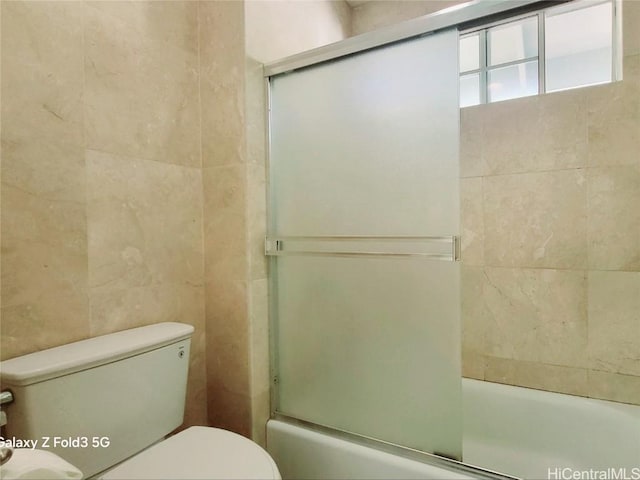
(105, 405)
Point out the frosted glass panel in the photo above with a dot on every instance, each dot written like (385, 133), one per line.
(513, 41)
(578, 46)
(372, 346)
(368, 146)
(469, 89)
(515, 81)
(470, 52)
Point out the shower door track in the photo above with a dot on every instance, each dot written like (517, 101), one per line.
(394, 449)
(457, 15)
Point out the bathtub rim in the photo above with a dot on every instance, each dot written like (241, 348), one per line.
(394, 449)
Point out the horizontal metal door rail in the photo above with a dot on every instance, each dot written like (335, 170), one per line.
(276, 246)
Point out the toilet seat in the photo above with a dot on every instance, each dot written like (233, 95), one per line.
(199, 453)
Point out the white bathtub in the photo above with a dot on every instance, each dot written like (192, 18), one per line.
(517, 431)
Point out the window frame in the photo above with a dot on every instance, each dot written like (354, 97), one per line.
(540, 15)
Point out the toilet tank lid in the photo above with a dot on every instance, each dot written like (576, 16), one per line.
(74, 357)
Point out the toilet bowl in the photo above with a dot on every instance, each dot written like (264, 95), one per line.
(199, 453)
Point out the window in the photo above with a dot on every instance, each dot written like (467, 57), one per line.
(567, 46)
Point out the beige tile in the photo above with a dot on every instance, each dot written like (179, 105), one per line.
(536, 315)
(472, 221)
(225, 205)
(615, 387)
(227, 325)
(260, 415)
(122, 308)
(614, 120)
(256, 219)
(255, 102)
(551, 378)
(222, 83)
(228, 410)
(614, 218)
(630, 30)
(42, 73)
(536, 220)
(474, 312)
(173, 23)
(551, 133)
(472, 162)
(227, 297)
(141, 92)
(631, 72)
(259, 335)
(472, 365)
(48, 321)
(44, 244)
(614, 322)
(144, 221)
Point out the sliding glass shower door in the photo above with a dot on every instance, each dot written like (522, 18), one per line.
(363, 229)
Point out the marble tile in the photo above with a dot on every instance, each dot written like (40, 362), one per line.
(536, 315)
(228, 410)
(614, 120)
(227, 297)
(630, 30)
(225, 204)
(173, 23)
(614, 218)
(472, 221)
(260, 415)
(472, 161)
(255, 123)
(474, 312)
(222, 83)
(228, 349)
(256, 220)
(141, 91)
(615, 387)
(259, 335)
(42, 72)
(552, 378)
(614, 322)
(551, 133)
(144, 223)
(44, 243)
(473, 365)
(536, 220)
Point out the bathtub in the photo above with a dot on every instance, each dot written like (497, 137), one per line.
(517, 431)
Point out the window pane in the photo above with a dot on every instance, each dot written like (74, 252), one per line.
(470, 52)
(578, 47)
(513, 41)
(469, 90)
(514, 81)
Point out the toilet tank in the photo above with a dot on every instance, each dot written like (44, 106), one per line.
(99, 401)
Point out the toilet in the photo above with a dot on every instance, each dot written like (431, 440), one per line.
(107, 404)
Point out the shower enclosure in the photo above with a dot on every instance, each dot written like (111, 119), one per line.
(364, 237)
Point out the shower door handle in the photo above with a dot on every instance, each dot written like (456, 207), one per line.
(445, 248)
